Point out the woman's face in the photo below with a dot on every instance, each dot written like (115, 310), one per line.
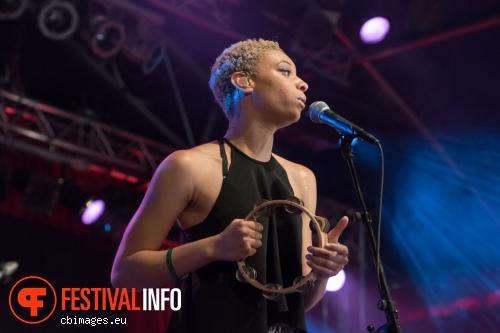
(277, 90)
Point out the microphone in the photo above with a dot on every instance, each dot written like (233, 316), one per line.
(7, 269)
(319, 112)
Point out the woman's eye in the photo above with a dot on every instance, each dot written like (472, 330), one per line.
(286, 72)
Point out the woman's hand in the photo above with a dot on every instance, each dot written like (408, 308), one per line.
(331, 260)
(239, 240)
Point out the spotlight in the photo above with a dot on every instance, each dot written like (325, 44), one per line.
(111, 217)
(7, 269)
(106, 36)
(92, 211)
(41, 193)
(88, 208)
(374, 30)
(336, 282)
(58, 20)
(12, 9)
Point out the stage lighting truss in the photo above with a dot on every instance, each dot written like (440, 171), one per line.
(12, 9)
(216, 12)
(333, 61)
(59, 135)
(58, 20)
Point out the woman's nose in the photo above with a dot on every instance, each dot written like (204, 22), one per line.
(301, 85)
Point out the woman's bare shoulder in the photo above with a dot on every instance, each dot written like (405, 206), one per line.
(190, 157)
(294, 169)
(302, 180)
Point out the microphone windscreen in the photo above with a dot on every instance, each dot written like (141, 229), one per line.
(315, 109)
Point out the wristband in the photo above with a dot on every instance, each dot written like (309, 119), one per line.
(170, 267)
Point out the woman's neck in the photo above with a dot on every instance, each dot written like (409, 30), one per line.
(253, 139)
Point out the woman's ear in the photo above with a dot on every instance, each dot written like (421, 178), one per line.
(241, 81)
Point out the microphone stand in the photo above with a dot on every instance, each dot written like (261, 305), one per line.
(385, 303)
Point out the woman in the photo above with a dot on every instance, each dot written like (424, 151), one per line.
(210, 188)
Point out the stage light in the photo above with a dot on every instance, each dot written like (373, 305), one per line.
(92, 211)
(88, 208)
(374, 30)
(12, 9)
(106, 36)
(113, 209)
(58, 20)
(143, 45)
(154, 55)
(149, 56)
(336, 282)
(109, 211)
(7, 269)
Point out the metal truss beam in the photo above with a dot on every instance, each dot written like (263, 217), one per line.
(186, 9)
(333, 62)
(65, 137)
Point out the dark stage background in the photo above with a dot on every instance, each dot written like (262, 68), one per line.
(94, 94)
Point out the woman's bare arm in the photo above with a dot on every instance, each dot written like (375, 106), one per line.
(139, 263)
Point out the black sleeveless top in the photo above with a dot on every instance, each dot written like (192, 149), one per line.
(213, 300)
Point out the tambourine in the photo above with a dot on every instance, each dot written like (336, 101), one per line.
(302, 284)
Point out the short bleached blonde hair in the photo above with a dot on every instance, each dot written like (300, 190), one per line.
(240, 57)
